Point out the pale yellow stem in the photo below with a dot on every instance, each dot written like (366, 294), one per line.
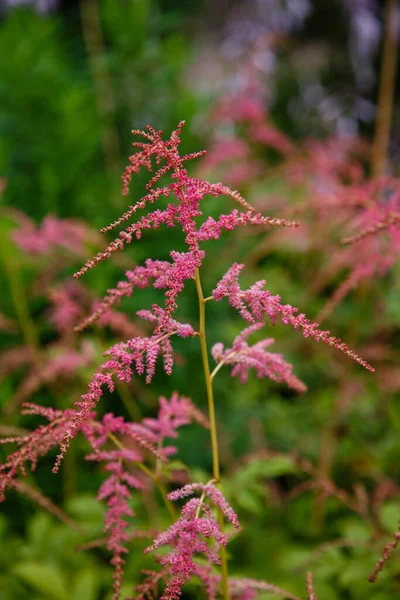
(213, 425)
(149, 473)
(217, 368)
(386, 90)
(207, 377)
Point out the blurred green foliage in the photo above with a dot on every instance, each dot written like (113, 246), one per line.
(54, 160)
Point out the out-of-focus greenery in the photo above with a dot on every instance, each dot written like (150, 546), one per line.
(56, 157)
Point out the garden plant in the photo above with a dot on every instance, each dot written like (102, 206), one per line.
(132, 452)
(208, 407)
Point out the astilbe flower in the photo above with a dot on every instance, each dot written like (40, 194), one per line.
(138, 353)
(255, 303)
(66, 306)
(378, 212)
(176, 412)
(332, 177)
(248, 589)
(189, 192)
(33, 445)
(247, 108)
(13, 359)
(380, 202)
(60, 363)
(133, 440)
(235, 158)
(239, 589)
(245, 357)
(141, 352)
(139, 278)
(341, 198)
(310, 587)
(335, 194)
(117, 444)
(53, 233)
(242, 124)
(190, 533)
(70, 301)
(148, 589)
(117, 488)
(387, 552)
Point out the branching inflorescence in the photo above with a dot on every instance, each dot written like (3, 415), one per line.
(125, 447)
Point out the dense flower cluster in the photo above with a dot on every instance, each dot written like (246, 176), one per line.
(189, 534)
(176, 412)
(142, 352)
(189, 191)
(130, 441)
(266, 364)
(117, 444)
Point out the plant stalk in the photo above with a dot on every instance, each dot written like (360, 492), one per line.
(102, 82)
(213, 425)
(386, 90)
(160, 485)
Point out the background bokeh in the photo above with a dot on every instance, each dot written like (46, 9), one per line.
(283, 95)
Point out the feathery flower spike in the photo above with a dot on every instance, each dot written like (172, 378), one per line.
(245, 357)
(189, 535)
(188, 191)
(255, 303)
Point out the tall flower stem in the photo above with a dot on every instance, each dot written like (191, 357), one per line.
(386, 90)
(160, 485)
(19, 298)
(213, 424)
(102, 82)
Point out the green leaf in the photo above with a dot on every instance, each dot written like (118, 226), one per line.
(250, 502)
(46, 579)
(277, 466)
(354, 530)
(86, 586)
(356, 571)
(389, 516)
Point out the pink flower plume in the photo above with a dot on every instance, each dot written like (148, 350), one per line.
(189, 193)
(267, 364)
(189, 536)
(255, 303)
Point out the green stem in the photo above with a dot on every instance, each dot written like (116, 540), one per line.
(160, 485)
(213, 425)
(207, 377)
(128, 401)
(217, 368)
(102, 82)
(386, 91)
(19, 298)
